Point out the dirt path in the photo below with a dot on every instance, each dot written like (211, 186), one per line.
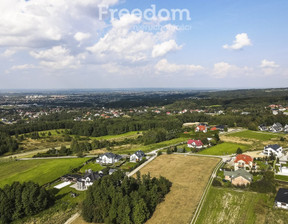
(72, 219)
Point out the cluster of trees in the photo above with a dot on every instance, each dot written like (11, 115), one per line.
(119, 199)
(20, 200)
(63, 151)
(158, 135)
(7, 144)
(266, 184)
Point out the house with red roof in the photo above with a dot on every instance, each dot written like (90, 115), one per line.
(243, 161)
(197, 144)
(214, 129)
(201, 128)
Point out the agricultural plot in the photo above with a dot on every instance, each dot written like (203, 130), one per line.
(263, 136)
(226, 148)
(189, 176)
(39, 171)
(224, 205)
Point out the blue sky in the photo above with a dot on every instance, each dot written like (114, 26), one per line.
(64, 44)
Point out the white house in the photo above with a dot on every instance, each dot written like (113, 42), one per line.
(88, 179)
(276, 127)
(108, 158)
(137, 156)
(283, 170)
(263, 127)
(281, 200)
(243, 161)
(195, 144)
(275, 150)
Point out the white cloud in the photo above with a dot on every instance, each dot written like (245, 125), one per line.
(269, 67)
(124, 44)
(268, 64)
(162, 49)
(23, 67)
(222, 69)
(43, 23)
(166, 67)
(79, 36)
(8, 53)
(241, 40)
(57, 57)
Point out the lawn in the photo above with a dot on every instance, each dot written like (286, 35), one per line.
(189, 176)
(263, 136)
(225, 148)
(39, 171)
(130, 134)
(282, 178)
(93, 166)
(224, 205)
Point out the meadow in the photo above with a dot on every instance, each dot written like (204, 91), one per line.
(263, 136)
(189, 176)
(224, 205)
(40, 171)
(225, 148)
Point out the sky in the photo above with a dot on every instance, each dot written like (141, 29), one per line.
(59, 44)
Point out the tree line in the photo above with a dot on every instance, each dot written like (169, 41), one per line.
(20, 200)
(7, 143)
(119, 199)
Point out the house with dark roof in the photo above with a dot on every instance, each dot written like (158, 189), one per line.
(243, 161)
(87, 180)
(195, 144)
(108, 158)
(281, 200)
(275, 150)
(137, 156)
(263, 127)
(239, 177)
(276, 127)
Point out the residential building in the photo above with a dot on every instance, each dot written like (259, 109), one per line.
(195, 144)
(137, 156)
(201, 128)
(243, 161)
(281, 200)
(108, 158)
(87, 180)
(275, 150)
(239, 177)
(263, 127)
(276, 127)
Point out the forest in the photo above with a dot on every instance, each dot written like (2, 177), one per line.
(119, 199)
(20, 200)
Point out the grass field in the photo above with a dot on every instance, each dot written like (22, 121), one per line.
(225, 148)
(39, 171)
(189, 176)
(93, 166)
(224, 205)
(130, 134)
(280, 177)
(263, 136)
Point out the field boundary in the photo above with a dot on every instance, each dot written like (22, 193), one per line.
(204, 195)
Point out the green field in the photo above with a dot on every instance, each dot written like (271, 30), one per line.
(225, 148)
(151, 147)
(93, 166)
(224, 205)
(39, 171)
(263, 136)
(282, 178)
(115, 137)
